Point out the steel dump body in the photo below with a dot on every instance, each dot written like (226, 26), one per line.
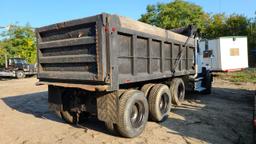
(105, 51)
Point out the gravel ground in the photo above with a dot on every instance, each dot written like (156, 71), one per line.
(223, 117)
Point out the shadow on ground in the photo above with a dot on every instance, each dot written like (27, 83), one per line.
(6, 78)
(225, 117)
(37, 104)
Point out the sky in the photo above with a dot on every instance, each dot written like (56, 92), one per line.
(44, 12)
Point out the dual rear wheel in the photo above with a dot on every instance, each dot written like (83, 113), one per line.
(159, 101)
(177, 88)
(135, 107)
(160, 98)
(153, 101)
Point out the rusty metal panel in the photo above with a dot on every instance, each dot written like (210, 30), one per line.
(190, 58)
(125, 53)
(68, 32)
(70, 50)
(167, 56)
(175, 51)
(67, 75)
(156, 56)
(68, 59)
(144, 56)
(89, 49)
(107, 107)
(68, 42)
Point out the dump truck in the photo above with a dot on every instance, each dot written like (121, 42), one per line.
(120, 70)
(17, 67)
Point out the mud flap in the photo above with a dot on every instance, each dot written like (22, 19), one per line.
(54, 98)
(107, 107)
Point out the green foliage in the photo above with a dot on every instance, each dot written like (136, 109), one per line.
(222, 25)
(252, 33)
(181, 13)
(18, 41)
(236, 25)
(248, 75)
(175, 14)
(2, 56)
(215, 26)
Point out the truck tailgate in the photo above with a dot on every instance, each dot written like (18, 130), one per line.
(68, 50)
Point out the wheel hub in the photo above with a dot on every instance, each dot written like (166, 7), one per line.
(137, 114)
(164, 102)
(180, 91)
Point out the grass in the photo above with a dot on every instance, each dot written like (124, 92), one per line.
(247, 75)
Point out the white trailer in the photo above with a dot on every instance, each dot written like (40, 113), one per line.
(225, 53)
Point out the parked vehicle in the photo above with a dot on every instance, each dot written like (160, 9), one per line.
(121, 70)
(17, 67)
(225, 53)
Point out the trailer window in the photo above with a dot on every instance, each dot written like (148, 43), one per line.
(20, 61)
(234, 51)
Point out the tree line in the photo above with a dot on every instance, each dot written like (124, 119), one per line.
(19, 41)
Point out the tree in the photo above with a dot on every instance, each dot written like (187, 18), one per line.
(180, 13)
(222, 25)
(2, 56)
(175, 14)
(252, 41)
(214, 27)
(19, 41)
(252, 32)
(236, 25)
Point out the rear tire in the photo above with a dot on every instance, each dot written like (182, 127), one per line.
(68, 117)
(177, 88)
(159, 100)
(133, 113)
(111, 127)
(65, 116)
(146, 88)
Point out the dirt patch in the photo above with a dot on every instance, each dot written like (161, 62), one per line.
(223, 117)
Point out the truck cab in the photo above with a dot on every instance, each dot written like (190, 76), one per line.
(17, 63)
